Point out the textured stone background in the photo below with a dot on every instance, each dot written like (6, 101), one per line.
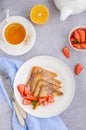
(51, 38)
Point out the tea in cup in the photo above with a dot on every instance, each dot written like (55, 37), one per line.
(14, 33)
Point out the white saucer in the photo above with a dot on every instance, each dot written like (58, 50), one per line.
(22, 48)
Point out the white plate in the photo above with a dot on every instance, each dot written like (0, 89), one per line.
(22, 48)
(64, 74)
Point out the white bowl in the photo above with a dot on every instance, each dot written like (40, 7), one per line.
(70, 36)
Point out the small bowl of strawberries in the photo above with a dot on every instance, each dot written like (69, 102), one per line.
(77, 38)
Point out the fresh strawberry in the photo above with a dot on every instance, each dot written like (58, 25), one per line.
(27, 91)
(30, 97)
(45, 103)
(66, 52)
(82, 35)
(72, 39)
(78, 68)
(76, 45)
(76, 35)
(27, 102)
(21, 88)
(83, 46)
(42, 99)
(50, 99)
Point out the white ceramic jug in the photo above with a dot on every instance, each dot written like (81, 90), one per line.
(70, 7)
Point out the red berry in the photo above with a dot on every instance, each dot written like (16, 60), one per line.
(76, 35)
(82, 35)
(78, 68)
(66, 52)
(83, 46)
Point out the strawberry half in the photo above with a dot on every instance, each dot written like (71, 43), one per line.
(76, 45)
(76, 35)
(66, 52)
(72, 39)
(30, 97)
(21, 89)
(83, 46)
(27, 102)
(50, 99)
(82, 35)
(42, 99)
(78, 68)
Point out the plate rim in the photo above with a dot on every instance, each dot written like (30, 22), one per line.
(73, 92)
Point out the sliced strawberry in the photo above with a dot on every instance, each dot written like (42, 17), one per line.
(83, 46)
(72, 39)
(21, 88)
(42, 99)
(66, 52)
(45, 103)
(82, 35)
(27, 91)
(76, 35)
(30, 97)
(50, 99)
(78, 68)
(27, 102)
(76, 45)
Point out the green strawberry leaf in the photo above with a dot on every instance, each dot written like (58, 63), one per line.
(34, 102)
(77, 42)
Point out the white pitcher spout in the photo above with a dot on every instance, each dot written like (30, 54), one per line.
(65, 12)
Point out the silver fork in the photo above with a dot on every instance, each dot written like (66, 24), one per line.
(21, 114)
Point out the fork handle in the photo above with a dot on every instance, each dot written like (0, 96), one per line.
(20, 118)
(23, 113)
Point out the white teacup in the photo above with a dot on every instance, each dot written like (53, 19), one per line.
(4, 31)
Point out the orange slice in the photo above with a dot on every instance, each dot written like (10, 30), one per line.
(39, 14)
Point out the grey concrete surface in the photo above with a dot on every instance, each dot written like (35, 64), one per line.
(51, 38)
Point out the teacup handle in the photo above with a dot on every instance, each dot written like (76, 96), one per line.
(27, 39)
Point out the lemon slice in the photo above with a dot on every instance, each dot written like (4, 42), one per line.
(39, 14)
